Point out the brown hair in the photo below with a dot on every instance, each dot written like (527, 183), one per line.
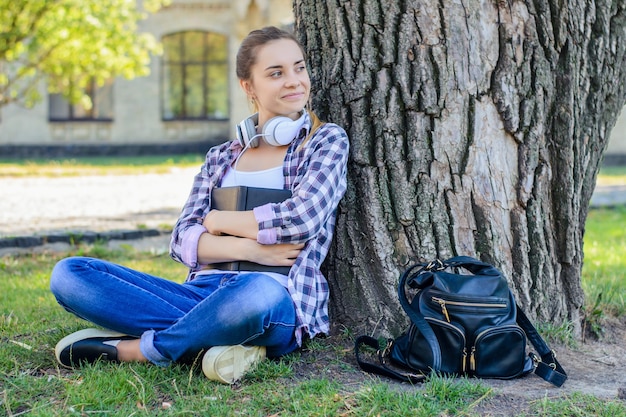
(246, 58)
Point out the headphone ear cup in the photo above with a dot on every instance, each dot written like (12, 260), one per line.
(281, 130)
(246, 131)
(276, 131)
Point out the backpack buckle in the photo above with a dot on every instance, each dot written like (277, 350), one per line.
(537, 360)
(435, 265)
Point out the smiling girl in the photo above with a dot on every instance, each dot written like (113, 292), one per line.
(235, 318)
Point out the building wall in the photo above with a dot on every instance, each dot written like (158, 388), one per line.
(617, 143)
(136, 103)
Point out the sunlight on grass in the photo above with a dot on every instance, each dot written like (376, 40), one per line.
(98, 166)
(604, 269)
(612, 176)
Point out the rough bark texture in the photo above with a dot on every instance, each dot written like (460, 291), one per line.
(477, 128)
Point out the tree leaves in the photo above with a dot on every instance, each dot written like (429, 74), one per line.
(69, 43)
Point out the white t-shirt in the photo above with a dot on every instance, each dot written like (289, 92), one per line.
(267, 178)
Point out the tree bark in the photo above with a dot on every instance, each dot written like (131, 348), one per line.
(476, 128)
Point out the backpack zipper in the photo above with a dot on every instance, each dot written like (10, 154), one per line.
(472, 359)
(444, 309)
(465, 359)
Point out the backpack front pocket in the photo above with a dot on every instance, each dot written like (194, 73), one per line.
(499, 352)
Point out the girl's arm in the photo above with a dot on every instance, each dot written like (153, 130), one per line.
(193, 246)
(188, 229)
(235, 223)
(214, 249)
(318, 187)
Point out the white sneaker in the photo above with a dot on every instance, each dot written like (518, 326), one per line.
(228, 364)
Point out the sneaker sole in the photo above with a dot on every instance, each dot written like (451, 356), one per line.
(81, 335)
(228, 364)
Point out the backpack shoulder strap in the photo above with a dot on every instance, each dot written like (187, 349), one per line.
(546, 365)
(417, 318)
(381, 368)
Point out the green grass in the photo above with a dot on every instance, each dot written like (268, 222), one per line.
(604, 270)
(97, 165)
(31, 322)
(578, 405)
(32, 383)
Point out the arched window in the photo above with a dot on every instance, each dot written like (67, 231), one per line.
(194, 82)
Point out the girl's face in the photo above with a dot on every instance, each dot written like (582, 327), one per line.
(279, 82)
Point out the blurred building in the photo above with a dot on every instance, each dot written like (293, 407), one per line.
(616, 152)
(190, 100)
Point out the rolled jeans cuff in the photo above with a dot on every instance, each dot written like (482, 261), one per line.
(146, 345)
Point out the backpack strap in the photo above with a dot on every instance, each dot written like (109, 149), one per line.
(546, 366)
(418, 320)
(381, 368)
(416, 317)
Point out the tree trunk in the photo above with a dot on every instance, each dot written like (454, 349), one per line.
(477, 128)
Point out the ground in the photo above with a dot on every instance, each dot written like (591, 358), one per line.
(594, 367)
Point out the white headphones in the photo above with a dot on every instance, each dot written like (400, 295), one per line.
(277, 131)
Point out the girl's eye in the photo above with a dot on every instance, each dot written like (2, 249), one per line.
(301, 68)
(275, 74)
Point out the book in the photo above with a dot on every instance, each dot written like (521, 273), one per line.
(242, 198)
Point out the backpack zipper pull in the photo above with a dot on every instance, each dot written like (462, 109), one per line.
(473, 359)
(464, 360)
(444, 310)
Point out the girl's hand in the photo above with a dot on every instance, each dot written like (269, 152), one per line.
(282, 254)
(210, 222)
(234, 223)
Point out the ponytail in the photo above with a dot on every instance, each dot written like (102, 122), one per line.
(316, 123)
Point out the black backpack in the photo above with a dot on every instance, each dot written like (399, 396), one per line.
(462, 323)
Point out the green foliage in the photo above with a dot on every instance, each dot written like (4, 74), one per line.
(97, 166)
(70, 43)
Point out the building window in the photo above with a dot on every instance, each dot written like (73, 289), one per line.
(59, 109)
(195, 76)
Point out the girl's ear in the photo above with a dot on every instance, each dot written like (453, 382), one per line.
(246, 86)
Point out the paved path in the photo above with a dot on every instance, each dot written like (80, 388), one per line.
(609, 195)
(41, 205)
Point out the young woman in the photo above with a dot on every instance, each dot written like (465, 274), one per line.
(237, 317)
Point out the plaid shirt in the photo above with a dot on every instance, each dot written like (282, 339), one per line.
(316, 175)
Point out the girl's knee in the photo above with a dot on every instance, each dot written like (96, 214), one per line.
(272, 301)
(269, 292)
(65, 274)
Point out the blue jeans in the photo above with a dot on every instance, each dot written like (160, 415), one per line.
(177, 321)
